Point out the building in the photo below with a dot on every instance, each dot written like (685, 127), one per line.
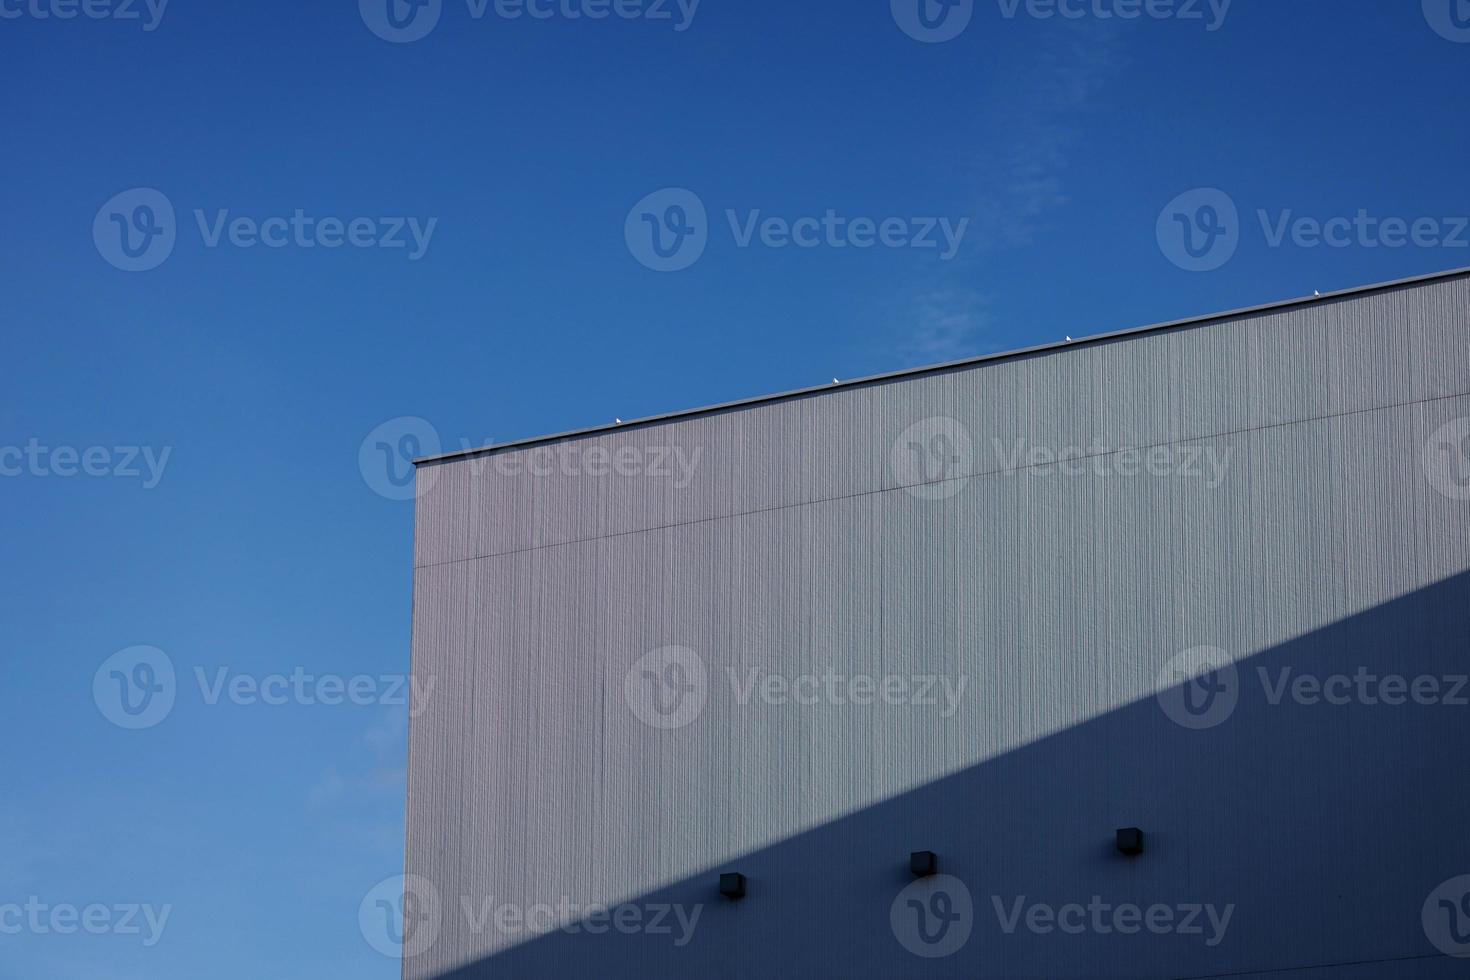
(1206, 580)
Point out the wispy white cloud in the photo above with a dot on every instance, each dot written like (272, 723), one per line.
(1037, 130)
(1031, 137)
(946, 325)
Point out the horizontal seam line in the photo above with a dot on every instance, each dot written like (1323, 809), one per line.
(971, 476)
(1266, 971)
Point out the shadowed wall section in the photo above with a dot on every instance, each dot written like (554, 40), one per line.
(1324, 827)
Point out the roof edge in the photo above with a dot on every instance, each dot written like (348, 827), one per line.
(1131, 332)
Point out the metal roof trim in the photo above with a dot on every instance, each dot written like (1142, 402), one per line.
(970, 362)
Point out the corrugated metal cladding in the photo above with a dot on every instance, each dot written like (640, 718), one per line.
(802, 639)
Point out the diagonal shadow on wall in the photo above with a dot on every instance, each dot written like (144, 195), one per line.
(1322, 828)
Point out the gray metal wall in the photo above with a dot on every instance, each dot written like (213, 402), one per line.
(806, 541)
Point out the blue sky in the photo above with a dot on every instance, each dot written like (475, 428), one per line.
(239, 381)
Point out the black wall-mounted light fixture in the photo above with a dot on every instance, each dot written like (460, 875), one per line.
(923, 863)
(1130, 840)
(732, 884)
